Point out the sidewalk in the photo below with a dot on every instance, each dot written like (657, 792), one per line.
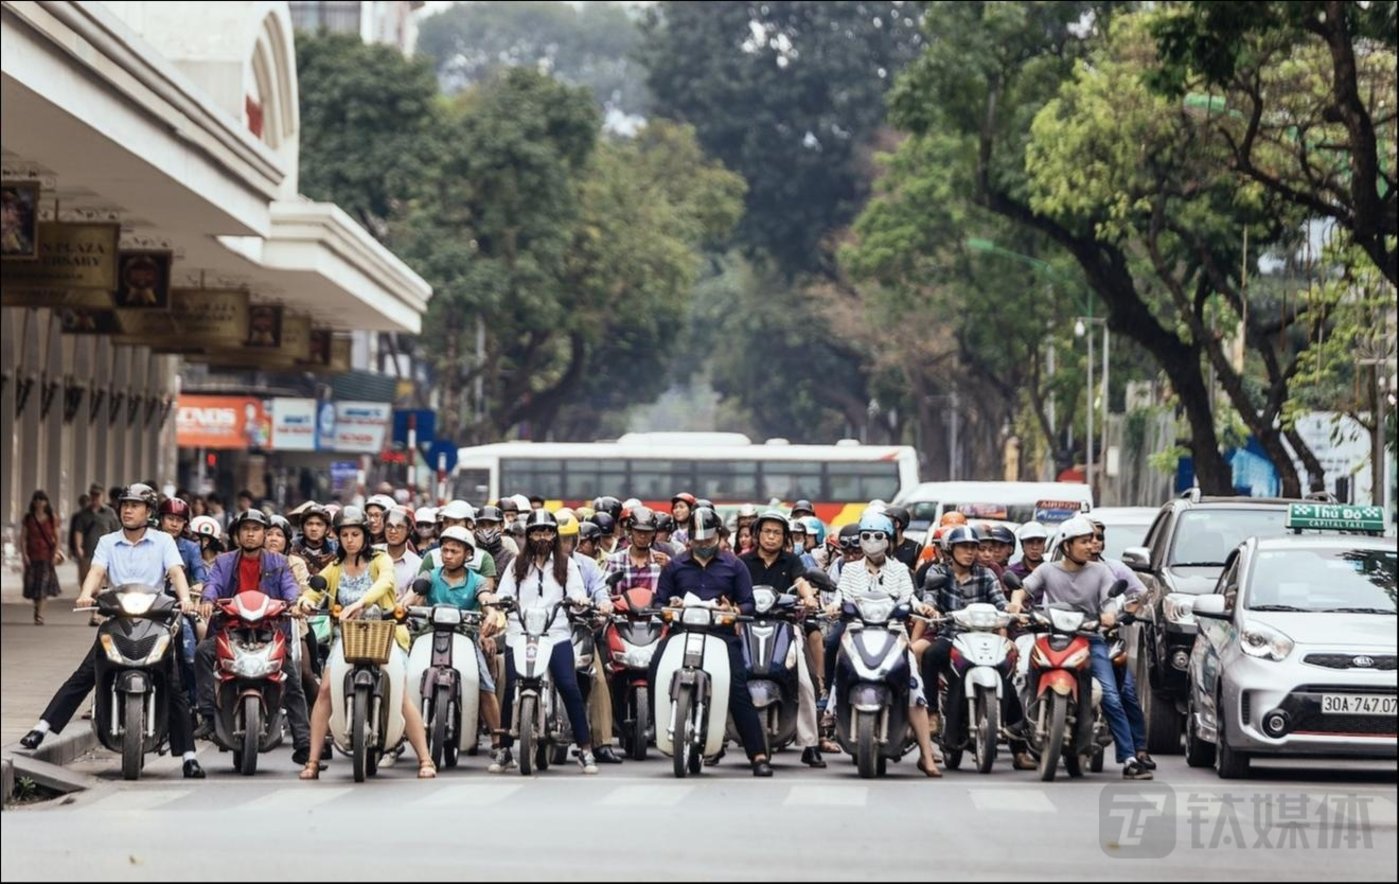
(35, 660)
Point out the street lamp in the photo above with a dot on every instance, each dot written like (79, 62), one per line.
(1081, 325)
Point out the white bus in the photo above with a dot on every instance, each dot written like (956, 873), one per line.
(726, 468)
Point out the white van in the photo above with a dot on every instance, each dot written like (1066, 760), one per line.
(1012, 502)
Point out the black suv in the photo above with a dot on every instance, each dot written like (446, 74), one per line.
(1183, 557)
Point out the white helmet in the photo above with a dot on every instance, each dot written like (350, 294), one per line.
(876, 506)
(1032, 531)
(457, 509)
(205, 526)
(425, 514)
(383, 501)
(1078, 526)
(459, 534)
(522, 503)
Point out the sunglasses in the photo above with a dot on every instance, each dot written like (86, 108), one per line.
(1099, 537)
(873, 535)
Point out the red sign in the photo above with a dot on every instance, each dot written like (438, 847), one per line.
(226, 422)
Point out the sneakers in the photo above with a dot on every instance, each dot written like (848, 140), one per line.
(502, 762)
(607, 755)
(1134, 770)
(587, 762)
(193, 771)
(1146, 761)
(811, 757)
(32, 739)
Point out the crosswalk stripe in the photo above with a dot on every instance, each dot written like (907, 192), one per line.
(139, 799)
(1002, 801)
(296, 799)
(470, 795)
(827, 796)
(647, 796)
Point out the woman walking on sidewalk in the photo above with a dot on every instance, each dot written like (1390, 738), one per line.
(40, 550)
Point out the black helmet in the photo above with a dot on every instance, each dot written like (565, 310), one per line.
(665, 522)
(541, 518)
(588, 531)
(351, 517)
(281, 523)
(900, 515)
(643, 519)
(1001, 534)
(256, 516)
(803, 506)
(773, 516)
(606, 523)
(704, 503)
(489, 514)
(705, 524)
(610, 505)
(315, 510)
(141, 493)
(850, 536)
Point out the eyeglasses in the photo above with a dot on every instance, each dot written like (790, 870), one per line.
(1099, 537)
(873, 535)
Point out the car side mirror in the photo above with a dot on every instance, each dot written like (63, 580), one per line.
(1212, 607)
(1138, 558)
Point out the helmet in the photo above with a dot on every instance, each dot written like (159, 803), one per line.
(816, 528)
(876, 521)
(1078, 526)
(631, 503)
(282, 524)
(350, 517)
(541, 519)
(774, 516)
(803, 506)
(565, 511)
(850, 536)
(399, 515)
(256, 516)
(205, 526)
(568, 524)
(704, 524)
(426, 514)
(383, 501)
(522, 503)
(938, 534)
(643, 519)
(141, 493)
(1095, 522)
(605, 522)
(685, 496)
(1032, 531)
(665, 522)
(1001, 534)
(459, 534)
(317, 511)
(960, 534)
(796, 526)
(877, 505)
(485, 514)
(748, 511)
(583, 512)
(952, 517)
(174, 506)
(704, 502)
(588, 531)
(610, 505)
(900, 515)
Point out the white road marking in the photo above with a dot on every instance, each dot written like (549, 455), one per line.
(1001, 801)
(657, 795)
(139, 799)
(470, 795)
(294, 799)
(827, 796)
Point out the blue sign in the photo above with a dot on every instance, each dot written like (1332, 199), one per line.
(325, 426)
(441, 447)
(426, 427)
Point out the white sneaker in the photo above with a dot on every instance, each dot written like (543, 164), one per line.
(503, 762)
(587, 762)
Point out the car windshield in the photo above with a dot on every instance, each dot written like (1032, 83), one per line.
(1205, 537)
(1323, 580)
(1120, 537)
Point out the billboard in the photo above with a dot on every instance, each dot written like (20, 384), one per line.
(293, 424)
(225, 422)
(362, 427)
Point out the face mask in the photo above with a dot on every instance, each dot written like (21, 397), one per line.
(541, 547)
(705, 552)
(488, 536)
(873, 548)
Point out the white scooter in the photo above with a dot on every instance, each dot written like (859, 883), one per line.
(444, 679)
(692, 681)
(366, 689)
(534, 716)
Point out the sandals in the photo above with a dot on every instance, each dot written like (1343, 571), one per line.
(930, 772)
(312, 771)
(427, 770)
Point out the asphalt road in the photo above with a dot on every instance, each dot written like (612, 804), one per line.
(636, 822)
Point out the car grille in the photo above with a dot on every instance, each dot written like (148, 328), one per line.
(1382, 662)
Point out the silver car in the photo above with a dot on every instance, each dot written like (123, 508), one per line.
(1295, 654)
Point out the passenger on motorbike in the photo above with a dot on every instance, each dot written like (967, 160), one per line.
(375, 509)
(174, 520)
(903, 549)
(279, 535)
(1033, 537)
(681, 505)
(1083, 584)
(315, 546)
(209, 536)
(878, 573)
(359, 577)
(398, 530)
(425, 528)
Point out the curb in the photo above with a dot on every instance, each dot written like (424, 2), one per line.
(57, 749)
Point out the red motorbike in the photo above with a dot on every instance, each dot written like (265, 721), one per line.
(631, 638)
(250, 656)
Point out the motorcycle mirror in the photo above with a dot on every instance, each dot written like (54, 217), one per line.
(935, 580)
(613, 579)
(1118, 589)
(820, 579)
(317, 583)
(421, 586)
(1012, 581)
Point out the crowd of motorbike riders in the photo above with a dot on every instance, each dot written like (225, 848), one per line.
(377, 556)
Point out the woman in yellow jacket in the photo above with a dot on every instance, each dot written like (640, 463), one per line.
(359, 577)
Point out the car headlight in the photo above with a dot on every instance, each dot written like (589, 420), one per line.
(1265, 642)
(1179, 608)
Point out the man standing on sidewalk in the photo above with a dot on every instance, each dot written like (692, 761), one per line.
(88, 527)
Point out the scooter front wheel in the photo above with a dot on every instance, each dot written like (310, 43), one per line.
(359, 732)
(133, 738)
(682, 745)
(252, 736)
(641, 722)
(529, 717)
(866, 748)
(441, 708)
(1056, 712)
(988, 726)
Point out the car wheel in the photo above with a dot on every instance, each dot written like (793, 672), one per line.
(1198, 752)
(1229, 763)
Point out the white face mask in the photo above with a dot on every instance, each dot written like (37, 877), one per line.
(874, 548)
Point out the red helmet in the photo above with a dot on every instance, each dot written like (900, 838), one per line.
(685, 496)
(175, 506)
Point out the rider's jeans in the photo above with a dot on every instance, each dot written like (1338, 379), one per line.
(565, 676)
(1112, 701)
(1127, 688)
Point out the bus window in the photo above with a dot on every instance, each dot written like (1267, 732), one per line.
(791, 480)
(727, 480)
(587, 478)
(659, 479)
(473, 485)
(528, 476)
(851, 482)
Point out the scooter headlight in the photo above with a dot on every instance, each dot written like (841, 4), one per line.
(109, 647)
(764, 597)
(875, 610)
(252, 664)
(637, 657)
(1076, 659)
(1065, 620)
(981, 617)
(695, 617)
(135, 604)
(444, 615)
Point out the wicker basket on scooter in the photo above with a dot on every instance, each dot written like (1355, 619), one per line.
(367, 641)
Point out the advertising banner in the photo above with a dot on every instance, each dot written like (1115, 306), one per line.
(293, 424)
(362, 427)
(223, 422)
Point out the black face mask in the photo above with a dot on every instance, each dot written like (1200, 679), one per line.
(541, 547)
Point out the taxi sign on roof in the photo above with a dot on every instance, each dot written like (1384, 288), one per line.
(1333, 517)
(1053, 512)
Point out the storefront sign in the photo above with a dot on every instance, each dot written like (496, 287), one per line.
(296, 338)
(198, 319)
(264, 326)
(362, 427)
(19, 233)
(293, 424)
(143, 280)
(70, 256)
(224, 422)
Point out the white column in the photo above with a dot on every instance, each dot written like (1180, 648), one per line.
(57, 441)
(103, 442)
(84, 467)
(116, 428)
(32, 447)
(11, 327)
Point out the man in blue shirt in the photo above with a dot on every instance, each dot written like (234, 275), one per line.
(711, 575)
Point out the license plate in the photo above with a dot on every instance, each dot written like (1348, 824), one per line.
(1358, 704)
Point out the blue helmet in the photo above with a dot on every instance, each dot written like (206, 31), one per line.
(816, 528)
(876, 521)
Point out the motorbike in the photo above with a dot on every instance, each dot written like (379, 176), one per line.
(694, 667)
(981, 659)
(1061, 698)
(630, 638)
(770, 643)
(535, 716)
(133, 671)
(872, 718)
(251, 656)
(367, 672)
(444, 678)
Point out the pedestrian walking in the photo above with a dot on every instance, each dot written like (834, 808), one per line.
(40, 550)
